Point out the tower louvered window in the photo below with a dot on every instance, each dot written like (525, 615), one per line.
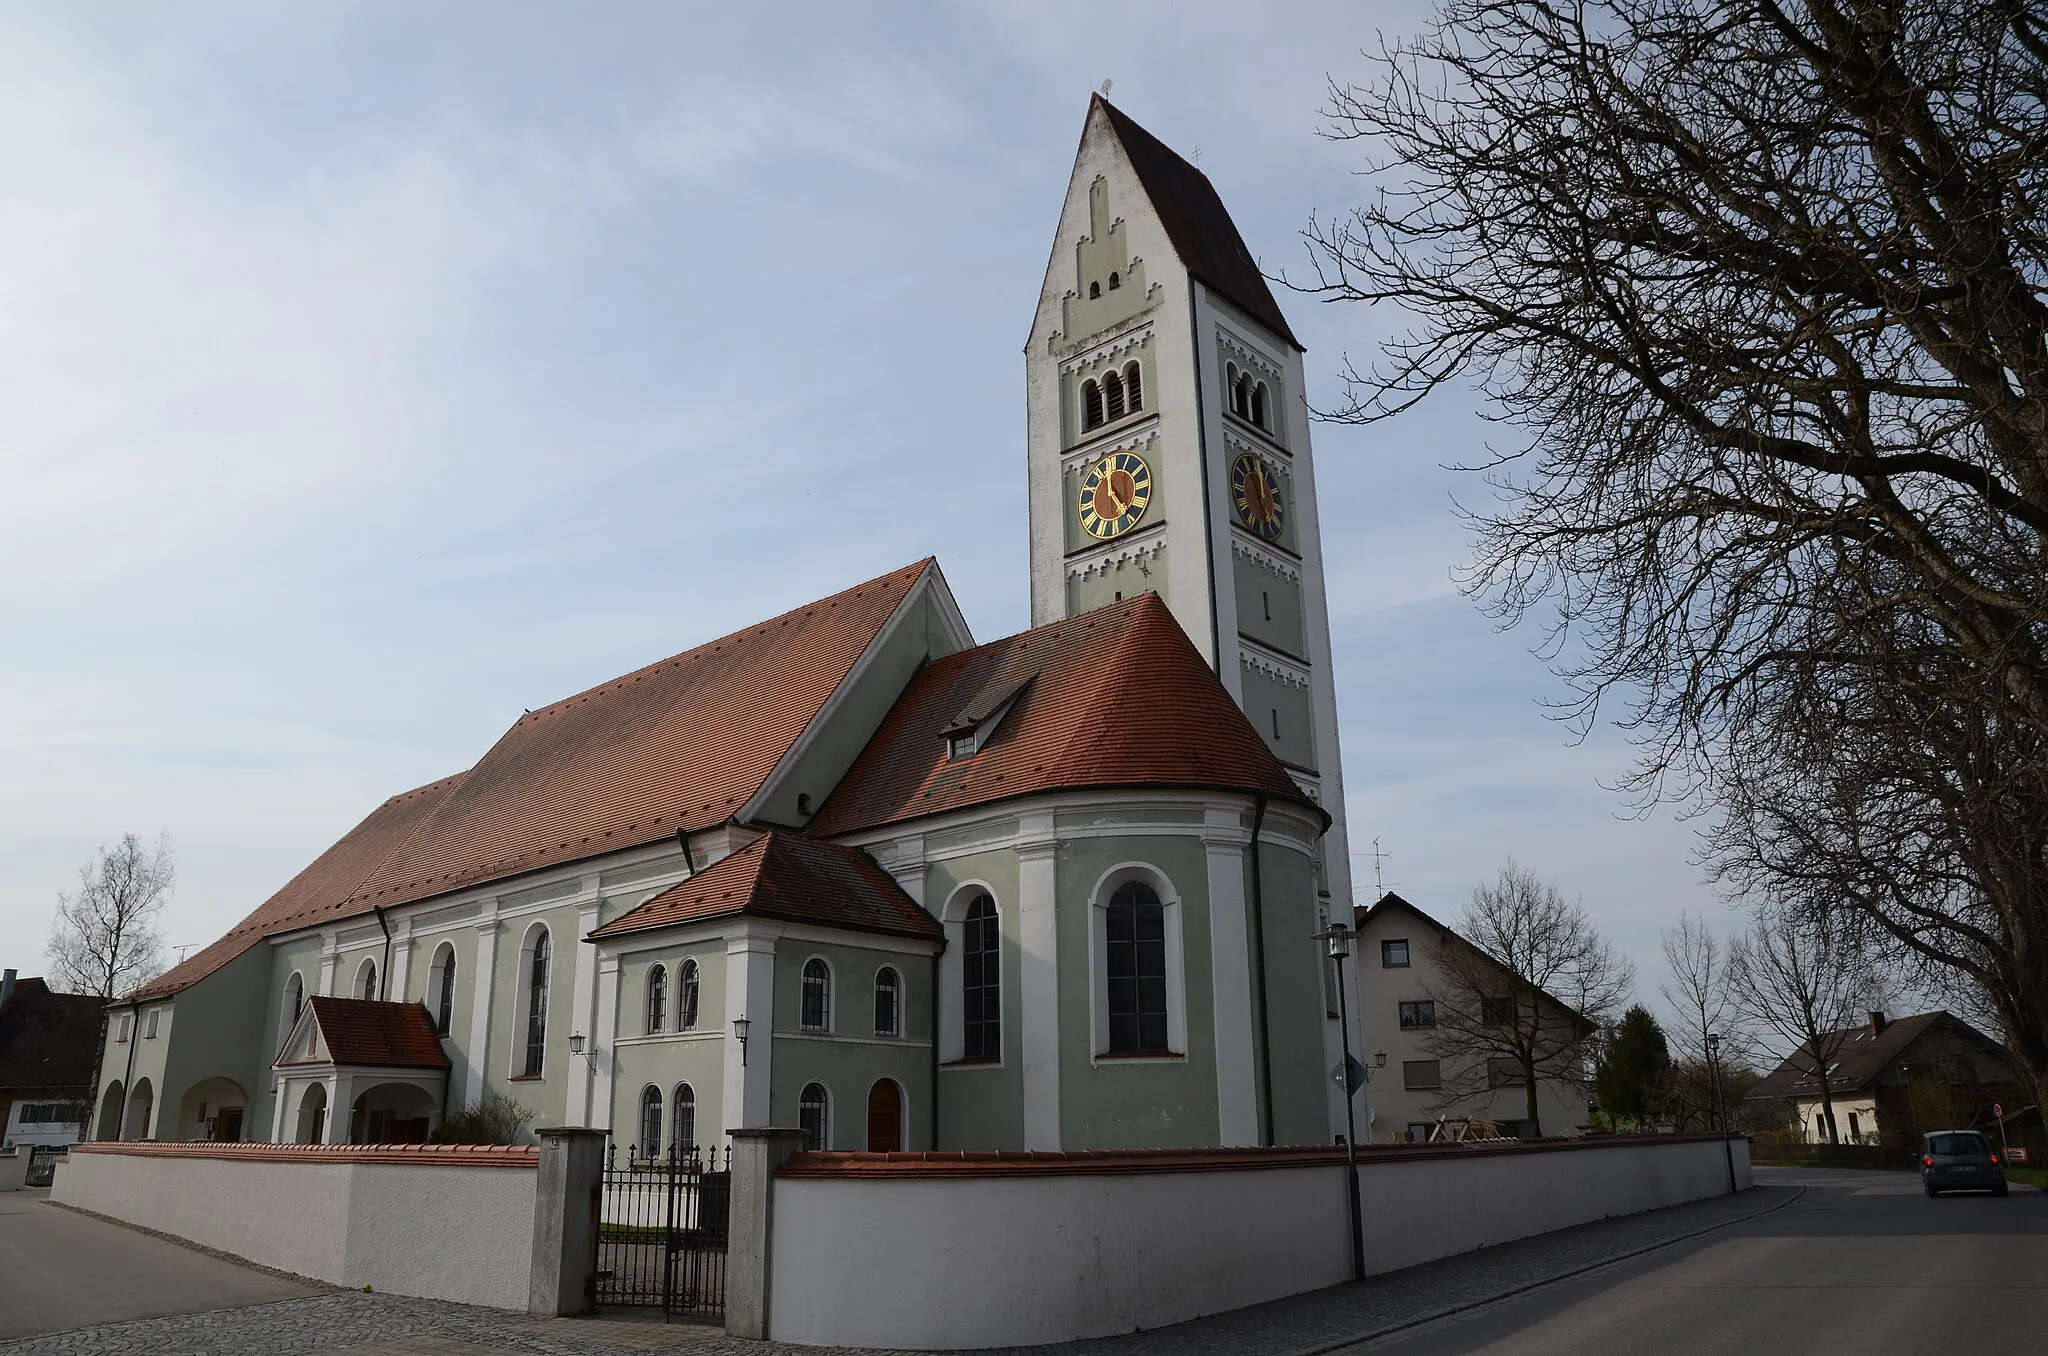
(1259, 405)
(1134, 387)
(1113, 395)
(1091, 405)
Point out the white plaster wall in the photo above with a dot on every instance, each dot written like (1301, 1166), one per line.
(13, 1168)
(453, 1233)
(1049, 1258)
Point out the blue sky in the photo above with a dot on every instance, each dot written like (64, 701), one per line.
(371, 373)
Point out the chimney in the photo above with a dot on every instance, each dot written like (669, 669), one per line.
(1877, 1025)
(6, 987)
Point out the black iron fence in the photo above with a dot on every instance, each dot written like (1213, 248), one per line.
(42, 1163)
(661, 1231)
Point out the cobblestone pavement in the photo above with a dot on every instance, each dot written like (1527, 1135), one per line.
(350, 1324)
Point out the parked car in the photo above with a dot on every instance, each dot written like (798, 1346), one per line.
(1960, 1160)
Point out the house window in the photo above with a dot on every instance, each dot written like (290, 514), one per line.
(813, 1115)
(1855, 1127)
(149, 1024)
(536, 1005)
(686, 997)
(1134, 387)
(1394, 954)
(1113, 395)
(888, 1002)
(1418, 1132)
(1420, 1075)
(1418, 1015)
(981, 981)
(650, 1122)
(127, 1028)
(443, 977)
(817, 995)
(1504, 1071)
(657, 998)
(685, 1140)
(366, 980)
(1136, 960)
(1091, 405)
(1497, 1011)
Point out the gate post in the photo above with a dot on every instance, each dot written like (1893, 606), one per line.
(563, 1279)
(756, 1154)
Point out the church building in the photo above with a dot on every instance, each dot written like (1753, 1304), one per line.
(848, 868)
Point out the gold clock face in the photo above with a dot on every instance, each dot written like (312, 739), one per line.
(1114, 493)
(1255, 489)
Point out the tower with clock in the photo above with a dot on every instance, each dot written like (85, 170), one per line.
(1169, 446)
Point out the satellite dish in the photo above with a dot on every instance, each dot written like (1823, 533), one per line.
(1104, 91)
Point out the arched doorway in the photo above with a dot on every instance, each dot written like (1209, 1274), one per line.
(312, 1128)
(885, 1117)
(391, 1113)
(109, 1124)
(212, 1110)
(141, 1102)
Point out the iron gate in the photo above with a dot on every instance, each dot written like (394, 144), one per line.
(661, 1231)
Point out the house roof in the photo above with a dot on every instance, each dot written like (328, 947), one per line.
(1197, 223)
(1117, 697)
(678, 745)
(790, 877)
(1390, 903)
(1862, 1057)
(377, 1034)
(48, 1040)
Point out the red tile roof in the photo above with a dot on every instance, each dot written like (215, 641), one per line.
(381, 1035)
(782, 875)
(681, 744)
(1118, 697)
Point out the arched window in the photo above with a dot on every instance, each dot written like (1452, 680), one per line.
(650, 1122)
(1136, 959)
(981, 982)
(1091, 405)
(1236, 390)
(1242, 399)
(814, 1115)
(294, 1003)
(1259, 405)
(888, 1002)
(442, 978)
(1134, 388)
(366, 980)
(686, 1120)
(657, 998)
(686, 997)
(1113, 395)
(817, 986)
(1094, 290)
(1115, 282)
(536, 1004)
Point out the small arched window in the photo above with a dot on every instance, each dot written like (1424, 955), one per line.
(1094, 290)
(442, 977)
(537, 1005)
(1259, 405)
(981, 982)
(686, 1120)
(814, 1115)
(1091, 405)
(1235, 387)
(888, 1002)
(817, 995)
(1115, 282)
(1136, 956)
(1241, 397)
(1134, 388)
(650, 1122)
(294, 1001)
(1113, 395)
(657, 998)
(366, 980)
(686, 997)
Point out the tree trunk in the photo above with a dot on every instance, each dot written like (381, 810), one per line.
(1529, 1087)
(1827, 1106)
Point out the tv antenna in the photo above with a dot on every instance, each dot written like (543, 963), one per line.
(1379, 858)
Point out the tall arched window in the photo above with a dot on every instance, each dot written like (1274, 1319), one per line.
(1091, 405)
(1113, 395)
(686, 1119)
(536, 1004)
(888, 1002)
(814, 1115)
(657, 998)
(442, 977)
(650, 1122)
(1239, 399)
(686, 997)
(817, 995)
(1134, 387)
(294, 1001)
(981, 982)
(366, 980)
(1136, 959)
(1259, 405)
(1243, 397)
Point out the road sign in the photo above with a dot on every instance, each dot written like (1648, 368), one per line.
(1349, 1065)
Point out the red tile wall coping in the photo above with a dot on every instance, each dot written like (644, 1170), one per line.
(427, 1155)
(839, 1164)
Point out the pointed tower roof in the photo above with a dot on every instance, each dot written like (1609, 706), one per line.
(1195, 219)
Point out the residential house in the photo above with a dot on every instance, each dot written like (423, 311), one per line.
(1890, 1080)
(47, 1044)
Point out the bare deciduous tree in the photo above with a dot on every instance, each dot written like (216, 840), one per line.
(1765, 283)
(105, 939)
(1808, 981)
(1525, 990)
(1695, 989)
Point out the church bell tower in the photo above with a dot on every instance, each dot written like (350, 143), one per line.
(1169, 447)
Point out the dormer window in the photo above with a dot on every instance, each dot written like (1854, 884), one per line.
(975, 726)
(963, 745)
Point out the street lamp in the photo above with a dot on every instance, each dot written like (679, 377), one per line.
(1720, 1114)
(739, 1033)
(575, 1044)
(1337, 938)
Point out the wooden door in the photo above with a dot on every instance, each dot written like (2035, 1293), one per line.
(885, 1117)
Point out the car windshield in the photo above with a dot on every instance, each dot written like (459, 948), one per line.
(1958, 1144)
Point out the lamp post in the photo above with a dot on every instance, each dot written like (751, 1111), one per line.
(1338, 939)
(1720, 1113)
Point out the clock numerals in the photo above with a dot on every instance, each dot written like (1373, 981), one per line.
(1114, 494)
(1255, 491)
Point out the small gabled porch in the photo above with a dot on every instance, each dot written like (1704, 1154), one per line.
(358, 1071)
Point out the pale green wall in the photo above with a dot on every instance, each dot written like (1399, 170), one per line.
(218, 1039)
(982, 1106)
(547, 1096)
(851, 1058)
(1126, 577)
(1264, 697)
(1261, 591)
(1294, 996)
(696, 1058)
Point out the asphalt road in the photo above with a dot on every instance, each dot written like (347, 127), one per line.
(60, 1269)
(1862, 1263)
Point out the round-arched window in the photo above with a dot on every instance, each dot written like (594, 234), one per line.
(657, 998)
(685, 1138)
(650, 1122)
(1136, 956)
(888, 1002)
(814, 1115)
(817, 995)
(442, 976)
(686, 997)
